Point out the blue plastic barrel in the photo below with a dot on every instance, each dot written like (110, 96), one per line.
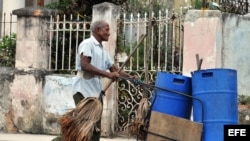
(217, 89)
(170, 102)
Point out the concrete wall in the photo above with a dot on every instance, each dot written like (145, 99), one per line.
(57, 99)
(26, 95)
(31, 36)
(26, 89)
(236, 46)
(6, 112)
(203, 36)
(221, 40)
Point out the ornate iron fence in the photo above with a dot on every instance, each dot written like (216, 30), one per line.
(65, 34)
(165, 55)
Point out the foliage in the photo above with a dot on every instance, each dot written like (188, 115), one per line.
(200, 4)
(82, 7)
(7, 50)
(142, 6)
(237, 7)
(62, 4)
(196, 4)
(243, 99)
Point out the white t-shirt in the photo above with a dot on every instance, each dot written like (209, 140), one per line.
(90, 85)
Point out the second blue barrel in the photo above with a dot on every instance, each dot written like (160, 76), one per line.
(167, 100)
(217, 91)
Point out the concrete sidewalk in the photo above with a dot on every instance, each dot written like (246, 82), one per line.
(37, 137)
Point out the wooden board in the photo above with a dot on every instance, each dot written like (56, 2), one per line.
(173, 128)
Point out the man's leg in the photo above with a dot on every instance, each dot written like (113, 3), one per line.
(97, 134)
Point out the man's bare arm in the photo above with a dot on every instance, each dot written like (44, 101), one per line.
(114, 68)
(86, 66)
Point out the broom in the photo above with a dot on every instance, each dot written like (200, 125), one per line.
(138, 126)
(78, 124)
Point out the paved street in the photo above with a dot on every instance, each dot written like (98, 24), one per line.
(35, 137)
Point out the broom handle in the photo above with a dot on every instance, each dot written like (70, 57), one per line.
(120, 69)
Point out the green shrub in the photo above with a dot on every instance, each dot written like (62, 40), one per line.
(8, 50)
(243, 99)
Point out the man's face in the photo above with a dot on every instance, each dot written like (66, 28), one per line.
(103, 32)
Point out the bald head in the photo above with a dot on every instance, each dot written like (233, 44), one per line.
(97, 25)
(100, 30)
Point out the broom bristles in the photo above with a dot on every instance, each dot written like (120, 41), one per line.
(136, 127)
(79, 123)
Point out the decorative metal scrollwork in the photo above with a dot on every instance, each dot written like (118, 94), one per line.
(129, 96)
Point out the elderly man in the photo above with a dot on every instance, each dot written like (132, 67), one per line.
(93, 61)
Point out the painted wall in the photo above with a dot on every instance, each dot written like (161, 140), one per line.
(7, 7)
(236, 46)
(221, 40)
(26, 104)
(202, 36)
(57, 99)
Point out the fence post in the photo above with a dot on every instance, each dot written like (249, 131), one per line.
(31, 49)
(31, 64)
(110, 13)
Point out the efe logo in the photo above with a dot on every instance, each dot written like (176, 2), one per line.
(236, 132)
